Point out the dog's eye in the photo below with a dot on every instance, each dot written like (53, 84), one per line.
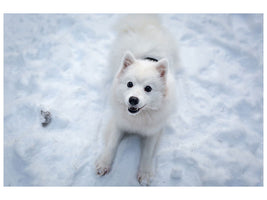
(148, 88)
(130, 84)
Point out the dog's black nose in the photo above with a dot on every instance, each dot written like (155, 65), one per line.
(133, 101)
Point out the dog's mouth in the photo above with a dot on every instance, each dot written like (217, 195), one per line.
(134, 110)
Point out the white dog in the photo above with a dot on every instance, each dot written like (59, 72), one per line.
(144, 57)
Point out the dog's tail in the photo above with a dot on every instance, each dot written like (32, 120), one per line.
(137, 22)
(146, 25)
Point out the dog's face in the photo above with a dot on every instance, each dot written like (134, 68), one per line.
(141, 84)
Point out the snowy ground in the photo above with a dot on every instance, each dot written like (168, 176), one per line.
(58, 63)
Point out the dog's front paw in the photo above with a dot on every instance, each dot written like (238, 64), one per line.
(144, 178)
(102, 168)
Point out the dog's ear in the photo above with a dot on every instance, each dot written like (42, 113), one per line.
(128, 59)
(162, 67)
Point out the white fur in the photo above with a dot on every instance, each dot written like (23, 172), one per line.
(144, 36)
(140, 36)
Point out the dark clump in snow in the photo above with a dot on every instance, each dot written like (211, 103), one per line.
(46, 118)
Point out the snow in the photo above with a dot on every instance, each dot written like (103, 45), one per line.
(58, 63)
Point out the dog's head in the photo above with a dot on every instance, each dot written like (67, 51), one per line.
(141, 84)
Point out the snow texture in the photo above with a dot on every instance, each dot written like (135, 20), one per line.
(58, 64)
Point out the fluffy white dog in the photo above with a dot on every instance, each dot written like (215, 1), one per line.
(143, 59)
